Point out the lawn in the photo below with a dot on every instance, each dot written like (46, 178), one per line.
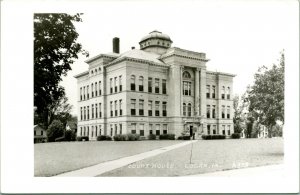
(207, 156)
(55, 158)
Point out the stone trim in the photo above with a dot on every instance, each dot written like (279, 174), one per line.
(100, 56)
(220, 73)
(182, 56)
(81, 74)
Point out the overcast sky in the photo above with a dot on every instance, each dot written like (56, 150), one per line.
(237, 36)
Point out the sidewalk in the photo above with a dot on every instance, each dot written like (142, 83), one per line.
(267, 171)
(98, 169)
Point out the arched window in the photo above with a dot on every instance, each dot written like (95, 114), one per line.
(189, 109)
(92, 87)
(95, 71)
(184, 109)
(99, 69)
(186, 75)
(141, 83)
(92, 72)
(223, 92)
(132, 82)
(228, 92)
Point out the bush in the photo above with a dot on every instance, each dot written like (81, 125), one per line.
(184, 137)
(104, 137)
(208, 137)
(167, 137)
(133, 137)
(81, 138)
(70, 135)
(55, 130)
(120, 137)
(152, 137)
(236, 136)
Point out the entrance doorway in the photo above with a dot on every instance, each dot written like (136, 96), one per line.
(191, 130)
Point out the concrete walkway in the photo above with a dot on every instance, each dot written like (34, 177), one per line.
(98, 169)
(268, 171)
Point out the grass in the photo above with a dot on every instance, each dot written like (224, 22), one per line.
(207, 156)
(54, 158)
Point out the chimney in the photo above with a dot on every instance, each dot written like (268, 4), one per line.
(116, 45)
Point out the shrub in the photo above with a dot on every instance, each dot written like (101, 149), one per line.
(208, 137)
(236, 136)
(120, 137)
(104, 137)
(152, 137)
(133, 137)
(55, 130)
(81, 138)
(184, 137)
(70, 135)
(167, 137)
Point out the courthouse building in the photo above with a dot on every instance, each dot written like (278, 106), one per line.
(156, 89)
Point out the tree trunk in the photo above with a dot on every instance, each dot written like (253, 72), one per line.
(270, 131)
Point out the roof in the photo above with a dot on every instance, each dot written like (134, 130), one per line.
(156, 34)
(81, 74)
(37, 127)
(143, 55)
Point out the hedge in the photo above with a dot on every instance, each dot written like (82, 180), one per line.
(208, 137)
(152, 137)
(80, 138)
(133, 137)
(167, 136)
(236, 136)
(184, 137)
(104, 137)
(120, 137)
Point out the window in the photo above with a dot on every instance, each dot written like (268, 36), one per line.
(184, 109)
(120, 107)
(100, 130)
(111, 85)
(84, 93)
(133, 128)
(214, 129)
(96, 89)
(187, 88)
(150, 107)
(208, 111)
(132, 83)
(111, 129)
(88, 131)
(92, 88)
(141, 107)
(208, 129)
(223, 129)
(81, 118)
(223, 92)
(87, 91)
(207, 91)
(164, 107)
(116, 84)
(92, 131)
(84, 131)
(165, 128)
(80, 93)
(120, 128)
(80, 131)
(142, 130)
(96, 110)
(120, 83)
(84, 114)
(189, 109)
(88, 113)
(100, 91)
(156, 108)
(116, 129)
(228, 93)
(96, 131)
(186, 75)
(223, 111)
(34, 132)
(150, 129)
(214, 111)
(156, 85)
(111, 109)
(116, 108)
(141, 83)
(92, 111)
(157, 127)
(150, 85)
(213, 91)
(164, 86)
(133, 107)
(228, 112)
(100, 111)
(228, 129)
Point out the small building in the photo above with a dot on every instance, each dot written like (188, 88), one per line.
(40, 134)
(262, 132)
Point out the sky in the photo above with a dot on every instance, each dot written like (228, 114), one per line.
(237, 36)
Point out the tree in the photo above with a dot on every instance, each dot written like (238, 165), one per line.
(55, 49)
(55, 130)
(266, 96)
(60, 110)
(238, 118)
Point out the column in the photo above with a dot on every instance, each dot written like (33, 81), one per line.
(197, 97)
(203, 97)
